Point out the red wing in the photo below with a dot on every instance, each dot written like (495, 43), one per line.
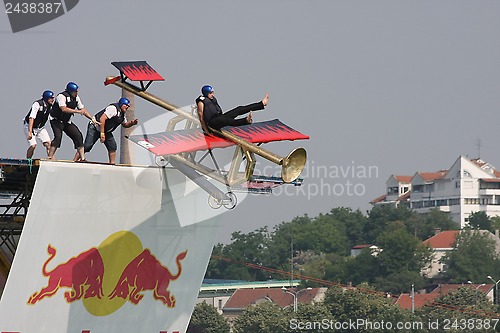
(183, 141)
(137, 70)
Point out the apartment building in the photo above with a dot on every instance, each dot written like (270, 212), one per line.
(468, 186)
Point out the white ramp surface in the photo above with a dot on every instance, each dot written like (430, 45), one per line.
(103, 251)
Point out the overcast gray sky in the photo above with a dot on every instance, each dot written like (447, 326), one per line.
(398, 86)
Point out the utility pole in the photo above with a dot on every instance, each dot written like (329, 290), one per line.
(126, 154)
(295, 295)
(496, 288)
(412, 298)
(291, 260)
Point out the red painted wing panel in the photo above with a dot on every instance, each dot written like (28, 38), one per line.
(181, 141)
(138, 71)
(267, 131)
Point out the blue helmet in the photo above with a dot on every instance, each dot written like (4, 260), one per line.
(124, 101)
(205, 90)
(71, 86)
(47, 94)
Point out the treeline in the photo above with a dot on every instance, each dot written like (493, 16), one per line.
(320, 248)
(357, 310)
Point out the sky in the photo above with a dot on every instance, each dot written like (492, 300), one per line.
(381, 87)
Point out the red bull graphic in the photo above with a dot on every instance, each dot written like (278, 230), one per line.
(118, 231)
(86, 277)
(83, 274)
(146, 272)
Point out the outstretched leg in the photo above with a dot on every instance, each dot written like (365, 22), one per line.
(241, 110)
(228, 118)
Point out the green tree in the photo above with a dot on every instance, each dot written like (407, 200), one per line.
(363, 303)
(364, 268)
(480, 221)
(351, 223)
(380, 216)
(216, 267)
(395, 267)
(323, 234)
(474, 258)
(206, 319)
(327, 235)
(495, 223)
(319, 236)
(263, 318)
(423, 225)
(320, 247)
(245, 248)
(283, 236)
(456, 308)
(399, 282)
(314, 318)
(401, 252)
(311, 264)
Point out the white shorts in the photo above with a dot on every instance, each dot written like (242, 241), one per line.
(40, 133)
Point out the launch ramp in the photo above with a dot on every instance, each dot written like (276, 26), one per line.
(108, 249)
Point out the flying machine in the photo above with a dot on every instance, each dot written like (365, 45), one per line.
(182, 147)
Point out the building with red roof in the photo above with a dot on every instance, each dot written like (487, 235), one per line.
(243, 298)
(443, 240)
(398, 190)
(468, 186)
(419, 300)
(443, 243)
(486, 288)
(405, 300)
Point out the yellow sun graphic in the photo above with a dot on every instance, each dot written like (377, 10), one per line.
(116, 251)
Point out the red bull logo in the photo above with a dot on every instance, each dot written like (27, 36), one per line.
(145, 272)
(107, 276)
(82, 274)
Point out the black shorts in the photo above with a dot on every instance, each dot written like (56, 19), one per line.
(71, 130)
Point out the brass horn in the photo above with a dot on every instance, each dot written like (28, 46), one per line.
(291, 165)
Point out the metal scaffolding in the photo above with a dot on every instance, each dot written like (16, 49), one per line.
(17, 178)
